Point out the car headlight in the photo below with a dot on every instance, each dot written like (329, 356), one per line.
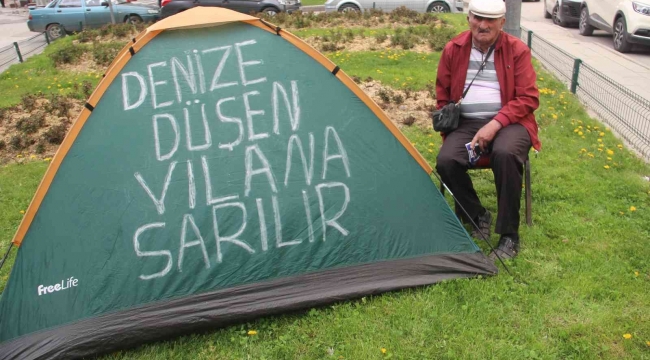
(641, 8)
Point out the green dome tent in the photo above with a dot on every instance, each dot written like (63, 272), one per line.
(221, 171)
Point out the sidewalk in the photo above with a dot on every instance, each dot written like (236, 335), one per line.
(620, 68)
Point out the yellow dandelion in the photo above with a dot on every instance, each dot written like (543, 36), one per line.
(48, 159)
(49, 87)
(627, 336)
(576, 130)
(588, 126)
(601, 133)
(383, 350)
(600, 140)
(32, 156)
(622, 213)
(620, 146)
(579, 121)
(609, 158)
(430, 150)
(19, 156)
(632, 208)
(610, 152)
(599, 149)
(430, 144)
(17, 86)
(583, 150)
(541, 78)
(22, 211)
(580, 133)
(252, 332)
(636, 273)
(606, 166)
(554, 117)
(647, 343)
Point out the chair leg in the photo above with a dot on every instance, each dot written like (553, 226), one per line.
(529, 200)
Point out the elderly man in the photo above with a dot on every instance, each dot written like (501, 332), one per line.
(496, 114)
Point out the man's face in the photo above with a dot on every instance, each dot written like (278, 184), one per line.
(485, 30)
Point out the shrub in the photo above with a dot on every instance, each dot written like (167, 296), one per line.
(398, 99)
(29, 102)
(40, 147)
(68, 54)
(403, 13)
(30, 124)
(404, 39)
(381, 37)
(59, 105)
(16, 142)
(409, 120)
(3, 144)
(349, 35)
(439, 36)
(385, 95)
(55, 134)
(88, 35)
(104, 53)
(327, 46)
(356, 79)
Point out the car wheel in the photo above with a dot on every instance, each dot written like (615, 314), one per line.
(547, 15)
(55, 31)
(349, 7)
(584, 28)
(556, 16)
(438, 7)
(134, 19)
(620, 36)
(270, 11)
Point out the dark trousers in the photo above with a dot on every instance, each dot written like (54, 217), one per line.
(508, 152)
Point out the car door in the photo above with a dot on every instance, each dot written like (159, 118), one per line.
(70, 14)
(243, 6)
(213, 3)
(96, 14)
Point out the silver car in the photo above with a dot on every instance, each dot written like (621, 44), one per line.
(438, 6)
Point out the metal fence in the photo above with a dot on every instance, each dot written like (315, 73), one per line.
(627, 113)
(21, 50)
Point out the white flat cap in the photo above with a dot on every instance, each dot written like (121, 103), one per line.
(488, 8)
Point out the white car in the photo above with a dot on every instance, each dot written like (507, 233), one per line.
(563, 12)
(628, 21)
(438, 6)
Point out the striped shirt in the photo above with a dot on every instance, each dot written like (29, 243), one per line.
(483, 100)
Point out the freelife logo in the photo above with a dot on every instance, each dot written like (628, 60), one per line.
(63, 285)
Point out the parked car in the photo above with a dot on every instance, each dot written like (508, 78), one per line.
(438, 6)
(628, 21)
(563, 12)
(64, 16)
(270, 7)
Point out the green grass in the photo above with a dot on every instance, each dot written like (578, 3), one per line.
(399, 69)
(581, 281)
(38, 73)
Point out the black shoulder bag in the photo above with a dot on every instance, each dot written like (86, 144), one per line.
(447, 118)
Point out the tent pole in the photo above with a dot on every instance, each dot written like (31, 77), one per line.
(6, 255)
(474, 224)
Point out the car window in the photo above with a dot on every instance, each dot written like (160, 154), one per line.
(70, 3)
(93, 3)
(51, 4)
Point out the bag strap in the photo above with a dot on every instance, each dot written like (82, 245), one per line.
(479, 70)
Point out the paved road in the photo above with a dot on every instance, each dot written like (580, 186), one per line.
(532, 14)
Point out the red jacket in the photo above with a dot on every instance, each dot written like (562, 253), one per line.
(517, 79)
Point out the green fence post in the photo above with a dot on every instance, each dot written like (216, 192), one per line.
(576, 72)
(530, 39)
(20, 56)
(81, 26)
(47, 37)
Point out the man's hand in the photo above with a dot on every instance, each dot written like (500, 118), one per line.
(486, 134)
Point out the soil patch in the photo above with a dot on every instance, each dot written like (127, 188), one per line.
(404, 108)
(361, 44)
(36, 131)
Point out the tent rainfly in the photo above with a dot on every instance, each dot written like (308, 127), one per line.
(221, 171)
